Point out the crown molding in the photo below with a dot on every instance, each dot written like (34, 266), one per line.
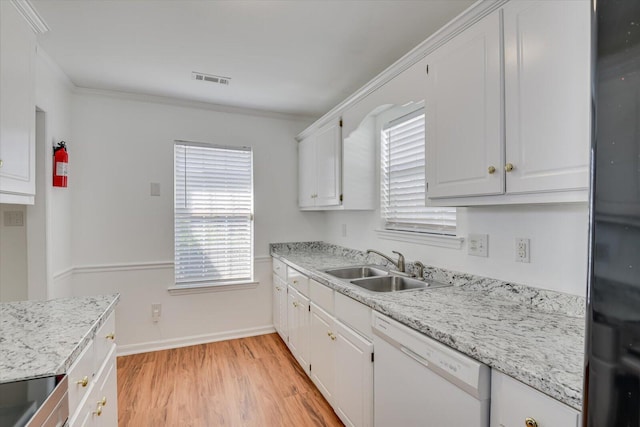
(31, 15)
(180, 102)
(467, 18)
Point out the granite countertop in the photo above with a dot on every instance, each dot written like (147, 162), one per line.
(43, 338)
(532, 335)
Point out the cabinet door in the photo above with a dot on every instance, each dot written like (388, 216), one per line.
(329, 164)
(303, 331)
(292, 321)
(283, 312)
(322, 338)
(547, 94)
(513, 402)
(298, 324)
(17, 103)
(275, 303)
(307, 172)
(463, 114)
(354, 378)
(108, 394)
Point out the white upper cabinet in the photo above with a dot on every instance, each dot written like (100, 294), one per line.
(463, 113)
(543, 70)
(319, 167)
(547, 95)
(17, 107)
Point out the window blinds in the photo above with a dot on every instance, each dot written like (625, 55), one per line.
(403, 179)
(213, 213)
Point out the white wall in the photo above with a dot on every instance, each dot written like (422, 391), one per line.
(50, 218)
(13, 256)
(558, 236)
(122, 238)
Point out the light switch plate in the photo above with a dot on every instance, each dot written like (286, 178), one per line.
(13, 219)
(478, 245)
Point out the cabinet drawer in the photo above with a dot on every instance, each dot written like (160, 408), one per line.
(512, 402)
(354, 314)
(81, 377)
(104, 341)
(321, 295)
(298, 281)
(279, 269)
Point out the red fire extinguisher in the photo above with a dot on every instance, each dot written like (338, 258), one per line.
(60, 164)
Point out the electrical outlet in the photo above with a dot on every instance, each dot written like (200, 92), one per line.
(522, 250)
(156, 311)
(478, 245)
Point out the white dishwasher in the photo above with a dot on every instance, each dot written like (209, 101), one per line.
(421, 382)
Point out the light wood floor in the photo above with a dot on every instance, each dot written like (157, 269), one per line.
(245, 382)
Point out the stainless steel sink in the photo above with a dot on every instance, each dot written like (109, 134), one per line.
(357, 272)
(393, 283)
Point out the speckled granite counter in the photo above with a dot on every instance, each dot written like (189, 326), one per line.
(43, 338)
(533, 335)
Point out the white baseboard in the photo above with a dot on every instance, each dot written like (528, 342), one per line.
(146, 347)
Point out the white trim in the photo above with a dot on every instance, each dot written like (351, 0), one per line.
(68, 272)
(17, 199)
(156, 99)
(205, 288)
(105, 268)
(133, 266)
(451, 242)
(470, 16)
(31, 15)
(124, 350)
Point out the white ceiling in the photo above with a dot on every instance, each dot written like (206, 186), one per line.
(297, 57)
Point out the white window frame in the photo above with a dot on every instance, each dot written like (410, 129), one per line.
(210, 284)
(415, 233)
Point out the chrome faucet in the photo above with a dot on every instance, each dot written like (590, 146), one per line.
(420, 267)
(399, 264)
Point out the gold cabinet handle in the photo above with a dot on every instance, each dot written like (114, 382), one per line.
(83, 382)
(98, 411)
(1, 163)
(278, 288)
(491, 170)
(508, 167)
(103, 401)
(295, 282)
(530, 422)
(111, 336)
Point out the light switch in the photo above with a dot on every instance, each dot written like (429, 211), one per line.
(478, 245)
(155, 188)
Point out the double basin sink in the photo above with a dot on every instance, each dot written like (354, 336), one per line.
(378, 279)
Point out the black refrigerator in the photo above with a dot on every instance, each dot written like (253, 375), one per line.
(612, 360)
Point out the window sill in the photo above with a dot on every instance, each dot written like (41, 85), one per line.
(205, 288)
(451, 242)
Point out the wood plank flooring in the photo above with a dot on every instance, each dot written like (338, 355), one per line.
(245, 382)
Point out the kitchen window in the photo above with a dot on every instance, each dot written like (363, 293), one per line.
(403, 189)
(213, 215)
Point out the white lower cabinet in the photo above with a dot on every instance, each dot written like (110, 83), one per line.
(514, 404)
(280, 307)
(93, 393)
(342, 368)
(322, 339)
(298, 326)
(354, 377)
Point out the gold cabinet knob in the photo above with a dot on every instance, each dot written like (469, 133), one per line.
(98, 411)
(295, 282)
(295, 304)
(83, 382)
(1, 163)
(491, 170)
(333, 337)
(111, 336)
(530, 422)
(103, 401)
(508, 167)
(328, 333)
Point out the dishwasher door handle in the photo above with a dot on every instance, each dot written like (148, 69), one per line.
(421, 360)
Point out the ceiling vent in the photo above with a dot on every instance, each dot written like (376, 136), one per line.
(211, 78)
